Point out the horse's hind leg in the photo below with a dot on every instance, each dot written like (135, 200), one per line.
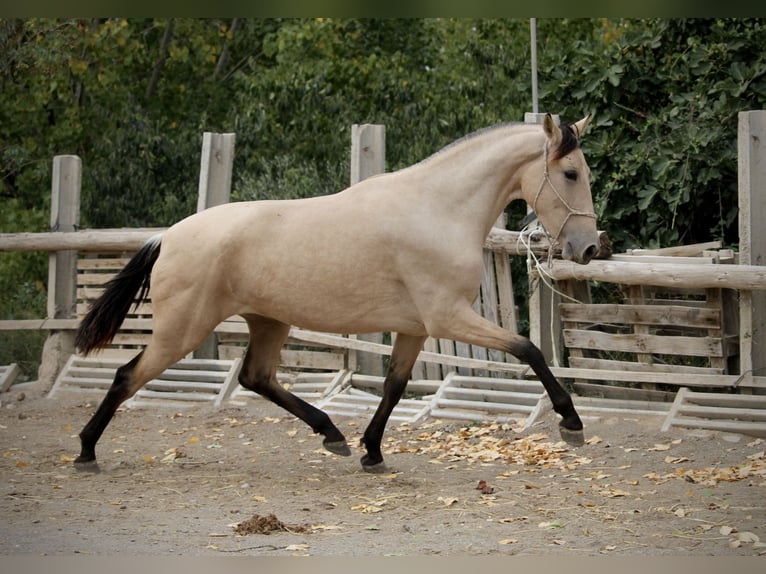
(128, 379)
(259, 374)
(169, 343)
(405, 353)
(120, 391)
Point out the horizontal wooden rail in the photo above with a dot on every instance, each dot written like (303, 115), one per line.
(94, 240)
(745, 277)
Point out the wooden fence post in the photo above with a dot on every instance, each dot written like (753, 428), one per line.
(216, 166)
(62, 265)
(751, 143)
(368, 158)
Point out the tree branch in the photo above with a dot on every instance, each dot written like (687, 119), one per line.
(166, 39)
(224, 57)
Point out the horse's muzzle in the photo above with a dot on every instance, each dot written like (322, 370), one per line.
(581, 254)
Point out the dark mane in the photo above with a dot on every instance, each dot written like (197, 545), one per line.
(570, 141)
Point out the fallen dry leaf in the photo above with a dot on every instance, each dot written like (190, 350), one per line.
(449, 501)
(676, 460)
(367, 508)
(508, 541)
(748, 537)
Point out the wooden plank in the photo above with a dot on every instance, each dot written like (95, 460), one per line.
(656, 367)
(181, 386)
(8, 374)
(94, 240)
(679, 379)
(676, 315)
(587, 405)
(101, 264)
(445, 403)
(490, 395)
(666, 275)
(312, 360)
(645, 259)
(751, 169)
(678, 250)
(743, 427)
(674, 409)
(622, 393)
(639, 343)
(719, 412)
(727, 400)
(505, 297)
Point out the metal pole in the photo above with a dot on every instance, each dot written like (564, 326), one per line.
(533, 43)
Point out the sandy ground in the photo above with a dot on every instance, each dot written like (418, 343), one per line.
(251, 480)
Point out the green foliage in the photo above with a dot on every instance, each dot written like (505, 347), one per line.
(665, 96)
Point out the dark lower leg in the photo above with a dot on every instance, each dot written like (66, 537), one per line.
(318, 420)
(562, 402)
(118, 393)
(405, 353)
(393, 389)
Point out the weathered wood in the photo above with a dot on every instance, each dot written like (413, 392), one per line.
(701, 275)
(678, 379)
(752, 236)
(368, 158)
(643, 343)
(8, 374)
(678, 250)
(216, 166)
(675, 315)
(93, 240)
(622, 393)
(614, 365)
(65, 218)
(510, 243)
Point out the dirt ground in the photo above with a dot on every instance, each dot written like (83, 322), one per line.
(252, 480)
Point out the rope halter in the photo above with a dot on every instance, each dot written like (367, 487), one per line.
(572, 210)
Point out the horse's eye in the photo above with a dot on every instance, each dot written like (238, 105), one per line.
(571, 175)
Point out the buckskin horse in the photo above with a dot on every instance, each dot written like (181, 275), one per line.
(399, 252)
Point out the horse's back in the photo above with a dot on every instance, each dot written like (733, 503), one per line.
(327, 263)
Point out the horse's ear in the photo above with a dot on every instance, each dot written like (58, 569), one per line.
(551, 130)
(581, 126)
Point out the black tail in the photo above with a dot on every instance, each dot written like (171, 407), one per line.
(105, 316)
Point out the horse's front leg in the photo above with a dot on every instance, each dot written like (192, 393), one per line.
(469, 327)
(405, 353)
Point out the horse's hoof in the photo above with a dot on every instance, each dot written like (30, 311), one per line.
(572, 437)
(339, 447)
(373, 467)
(87, 465)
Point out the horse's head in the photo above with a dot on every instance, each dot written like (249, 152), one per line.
(557, 187)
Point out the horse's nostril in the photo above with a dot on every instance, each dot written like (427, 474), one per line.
(589, 253)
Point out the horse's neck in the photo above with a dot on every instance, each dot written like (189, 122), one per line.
(479, 177)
